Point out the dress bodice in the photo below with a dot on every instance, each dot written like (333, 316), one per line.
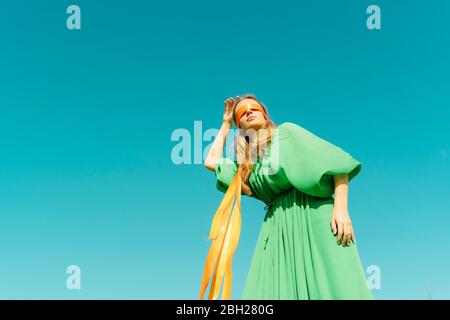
(267, 180)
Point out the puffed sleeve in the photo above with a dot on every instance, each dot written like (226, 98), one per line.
(309, 162)
(225, 171)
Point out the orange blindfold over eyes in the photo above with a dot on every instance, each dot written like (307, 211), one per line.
(243, 110)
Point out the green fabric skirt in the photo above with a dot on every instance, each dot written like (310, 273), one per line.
(297, 256)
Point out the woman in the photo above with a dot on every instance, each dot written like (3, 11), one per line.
(306, 248)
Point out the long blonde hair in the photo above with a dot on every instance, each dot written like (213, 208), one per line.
(246, 145)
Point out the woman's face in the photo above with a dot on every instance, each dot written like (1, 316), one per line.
(252, 118)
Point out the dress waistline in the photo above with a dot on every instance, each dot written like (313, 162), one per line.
(278, 197)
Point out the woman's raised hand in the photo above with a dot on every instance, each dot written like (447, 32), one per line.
(229, 107)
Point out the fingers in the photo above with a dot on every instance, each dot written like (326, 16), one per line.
(351, 233)
(347, 234)
(333, 226)
(229, 103)
(340, 232)
(344, 232)
(344, 235)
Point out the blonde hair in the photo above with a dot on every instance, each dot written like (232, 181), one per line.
(246, 144)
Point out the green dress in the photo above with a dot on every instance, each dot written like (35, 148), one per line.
(296, 255)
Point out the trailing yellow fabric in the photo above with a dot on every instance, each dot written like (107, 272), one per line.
(225, 231)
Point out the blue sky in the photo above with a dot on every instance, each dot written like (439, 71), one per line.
(86, 118)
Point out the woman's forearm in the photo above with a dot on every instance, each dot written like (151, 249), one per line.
(216, 150)
(341, 190)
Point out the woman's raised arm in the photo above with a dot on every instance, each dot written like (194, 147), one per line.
(216, 151)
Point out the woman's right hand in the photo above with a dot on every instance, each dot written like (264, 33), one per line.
(229, 107)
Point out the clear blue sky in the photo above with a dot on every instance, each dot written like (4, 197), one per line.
(86, 176)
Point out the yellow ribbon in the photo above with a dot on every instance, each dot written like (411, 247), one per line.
(225, 231)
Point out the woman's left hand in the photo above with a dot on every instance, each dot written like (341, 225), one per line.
(341, 224)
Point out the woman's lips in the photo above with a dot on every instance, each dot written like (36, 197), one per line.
(250, 118)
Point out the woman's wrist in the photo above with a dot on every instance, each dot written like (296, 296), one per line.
(340, 205)
(226, 125)
(341, 191)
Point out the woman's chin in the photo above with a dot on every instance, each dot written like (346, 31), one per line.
(254, 126)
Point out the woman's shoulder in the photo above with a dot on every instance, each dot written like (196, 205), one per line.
(290, 131)
(287, 129)
(291, 126)
(286, 125)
